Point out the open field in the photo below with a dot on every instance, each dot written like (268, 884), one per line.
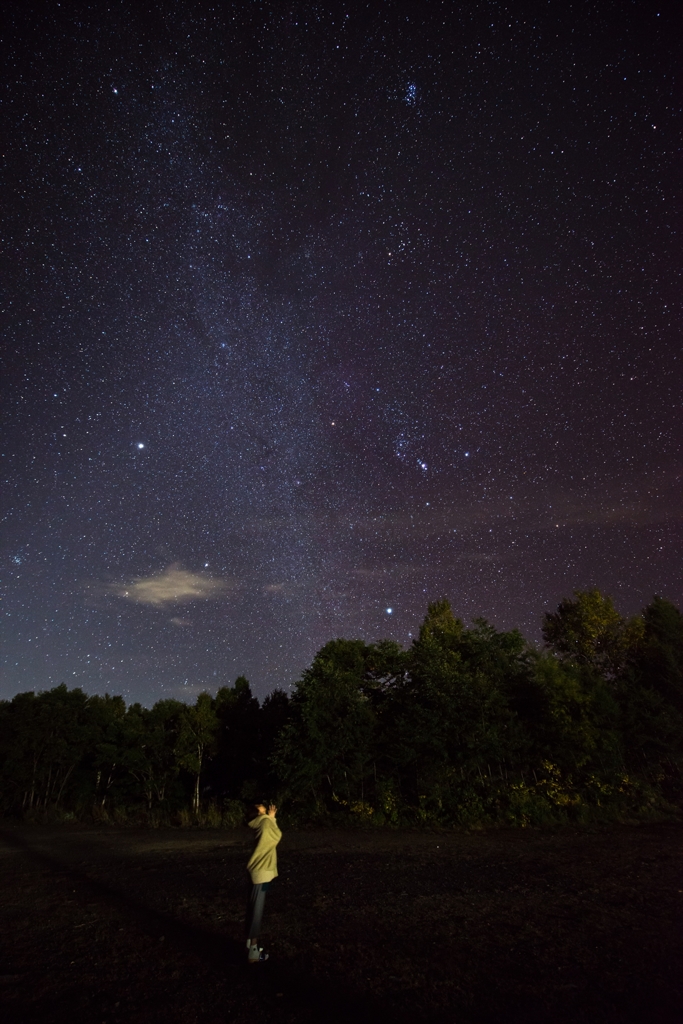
(113, 925)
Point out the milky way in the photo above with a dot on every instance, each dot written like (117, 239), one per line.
(315, 313)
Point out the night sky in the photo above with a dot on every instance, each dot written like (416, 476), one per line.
(313, 313)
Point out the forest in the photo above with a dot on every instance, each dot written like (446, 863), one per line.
(468, 726)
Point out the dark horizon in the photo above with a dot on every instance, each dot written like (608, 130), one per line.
(314, 316)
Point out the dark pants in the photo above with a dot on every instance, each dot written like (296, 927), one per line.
(257, 899)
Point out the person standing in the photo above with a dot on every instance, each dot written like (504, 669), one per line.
(262, 868)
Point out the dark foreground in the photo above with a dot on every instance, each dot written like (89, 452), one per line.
(112, 925)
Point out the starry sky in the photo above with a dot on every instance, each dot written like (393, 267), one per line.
(313, 313)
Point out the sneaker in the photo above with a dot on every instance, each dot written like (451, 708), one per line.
(256, 955)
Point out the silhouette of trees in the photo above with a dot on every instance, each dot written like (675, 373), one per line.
(468, 725)
(43, 739)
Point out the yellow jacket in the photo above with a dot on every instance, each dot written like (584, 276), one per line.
(262, 864)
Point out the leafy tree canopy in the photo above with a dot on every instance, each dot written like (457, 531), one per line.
(590, 631)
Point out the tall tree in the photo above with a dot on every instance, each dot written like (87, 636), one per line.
(197, 740)
(151, 741)
(651, 698)
(590, 631)
(274, 715)
(326, 747)
(450, 726)
(108, 755)
(660, 654)
(236, 769)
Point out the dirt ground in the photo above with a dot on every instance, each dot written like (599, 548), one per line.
(109, 925)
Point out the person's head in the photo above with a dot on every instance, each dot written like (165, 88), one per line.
(257, 808)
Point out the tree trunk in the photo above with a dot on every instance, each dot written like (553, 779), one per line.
(61, 788)
(48, 789)
(33, 784)
(200, 758)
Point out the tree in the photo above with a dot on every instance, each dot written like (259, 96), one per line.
(450, 729)
(46, 738)
(660, 654)
(569, 717)
(326, 747)
(274, 714)
(236, 768)
(196, 739)
(109, 752)
(151, 741)
(650, 694)
(590, 631)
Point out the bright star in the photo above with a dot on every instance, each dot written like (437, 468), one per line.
(141, 445)
(389, 611)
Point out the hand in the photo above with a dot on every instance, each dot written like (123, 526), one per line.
(272, 811)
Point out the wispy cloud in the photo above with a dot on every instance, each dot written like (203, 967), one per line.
(173, 586)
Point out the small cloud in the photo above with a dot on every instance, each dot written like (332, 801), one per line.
(173, 586)
(177, 621)
(273, 588)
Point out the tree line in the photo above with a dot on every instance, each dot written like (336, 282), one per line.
(466, 726)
